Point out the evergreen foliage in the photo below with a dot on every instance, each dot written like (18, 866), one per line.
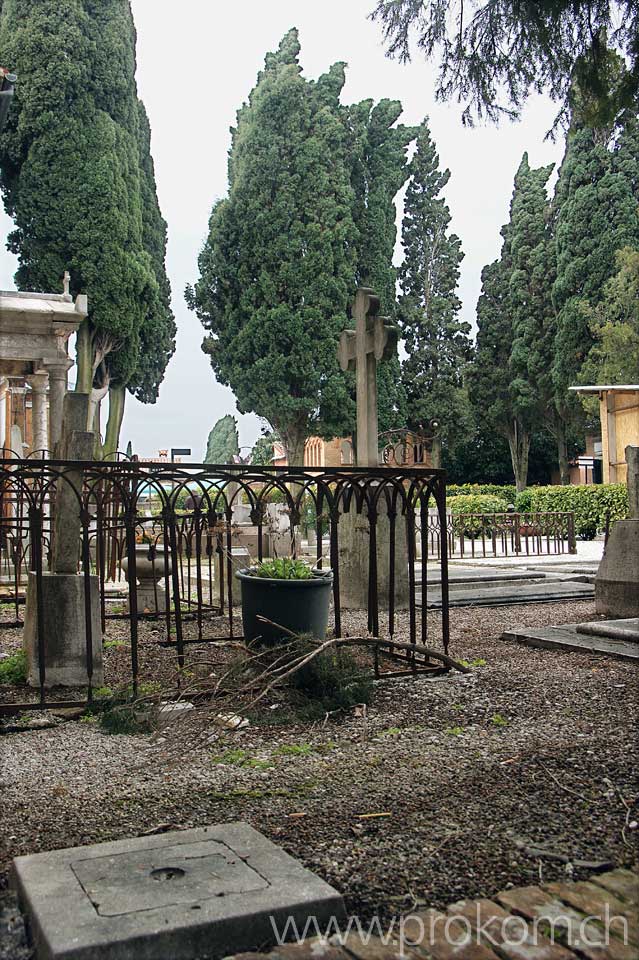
(276, 272)
(262, 452)
(595, 215)
(515, 321)
(309, 214)
(435, 338)
(223, 443)
(614, 326)
(592, 504)
(78, 181)
(492, 56)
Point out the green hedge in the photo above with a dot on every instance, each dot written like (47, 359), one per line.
(506, 493)
(476, 503)
(589, 503)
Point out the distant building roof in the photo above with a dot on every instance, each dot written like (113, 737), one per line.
(607, 388)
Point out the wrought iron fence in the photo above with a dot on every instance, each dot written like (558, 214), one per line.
(492, 535)
(163, 542)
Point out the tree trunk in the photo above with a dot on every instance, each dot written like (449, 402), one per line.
(436, 453)
(117, 398)
(97, 395)
(294, 440)
(562, 452)
(96, 427)
(84, 358)
(519, 444)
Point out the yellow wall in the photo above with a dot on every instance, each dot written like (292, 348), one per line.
(619, 428)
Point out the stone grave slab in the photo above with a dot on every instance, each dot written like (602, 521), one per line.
(570, 636)
(208, 892)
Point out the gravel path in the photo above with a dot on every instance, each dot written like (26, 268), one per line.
(534, 746)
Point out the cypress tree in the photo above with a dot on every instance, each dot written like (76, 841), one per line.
(72, 179)
(595, 215)
(277, 269)
(532, 250)
(435, 338)
(223, 443)
(512, 312)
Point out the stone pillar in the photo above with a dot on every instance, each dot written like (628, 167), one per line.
(354, 551)
(617, 580)
(18, 418)
(39, 425)
(58, 374)
(60, 628)
(632, 460)
(3, 414)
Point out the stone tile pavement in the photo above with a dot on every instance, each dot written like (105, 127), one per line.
(593, 920)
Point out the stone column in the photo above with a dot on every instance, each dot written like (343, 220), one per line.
(617, 580)
(57, 391)
(3, 413)
(39, 425)
(18, 417)
(632, 461)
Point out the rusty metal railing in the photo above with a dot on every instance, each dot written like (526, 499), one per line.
(163, 542)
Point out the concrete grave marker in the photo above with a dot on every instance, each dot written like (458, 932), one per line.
(63, 613)
(617, 582)
(361, 349)
(208, 892)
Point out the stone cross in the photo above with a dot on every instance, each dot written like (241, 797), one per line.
(361, 349)
(76, 443)
(632, 461)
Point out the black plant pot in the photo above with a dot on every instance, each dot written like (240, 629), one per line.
(300, 606)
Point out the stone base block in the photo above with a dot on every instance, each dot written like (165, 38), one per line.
(354, 546)
(64, 629)
(617, 581)
(150, 599)
(210, 892)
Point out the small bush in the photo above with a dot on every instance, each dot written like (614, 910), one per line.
(14, 669)
(589, 503)
(332, 681)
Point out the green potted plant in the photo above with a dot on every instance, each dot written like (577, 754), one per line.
(288, 593)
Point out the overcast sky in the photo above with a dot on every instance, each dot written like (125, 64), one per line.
(197, 62)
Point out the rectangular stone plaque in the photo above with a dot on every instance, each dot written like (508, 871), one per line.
(208, 892)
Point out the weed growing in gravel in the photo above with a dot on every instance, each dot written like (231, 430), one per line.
(498, 720)
(14, 669)
(454, 731)
(115, 644)
(391, 732)
(124, 712)
(478, 662)
(240, 758)
(294, 750)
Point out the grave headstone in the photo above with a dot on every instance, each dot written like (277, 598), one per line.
(361, 349)
(62, 623)
(617, 581)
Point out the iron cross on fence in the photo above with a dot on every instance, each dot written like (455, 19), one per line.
(374, 339)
